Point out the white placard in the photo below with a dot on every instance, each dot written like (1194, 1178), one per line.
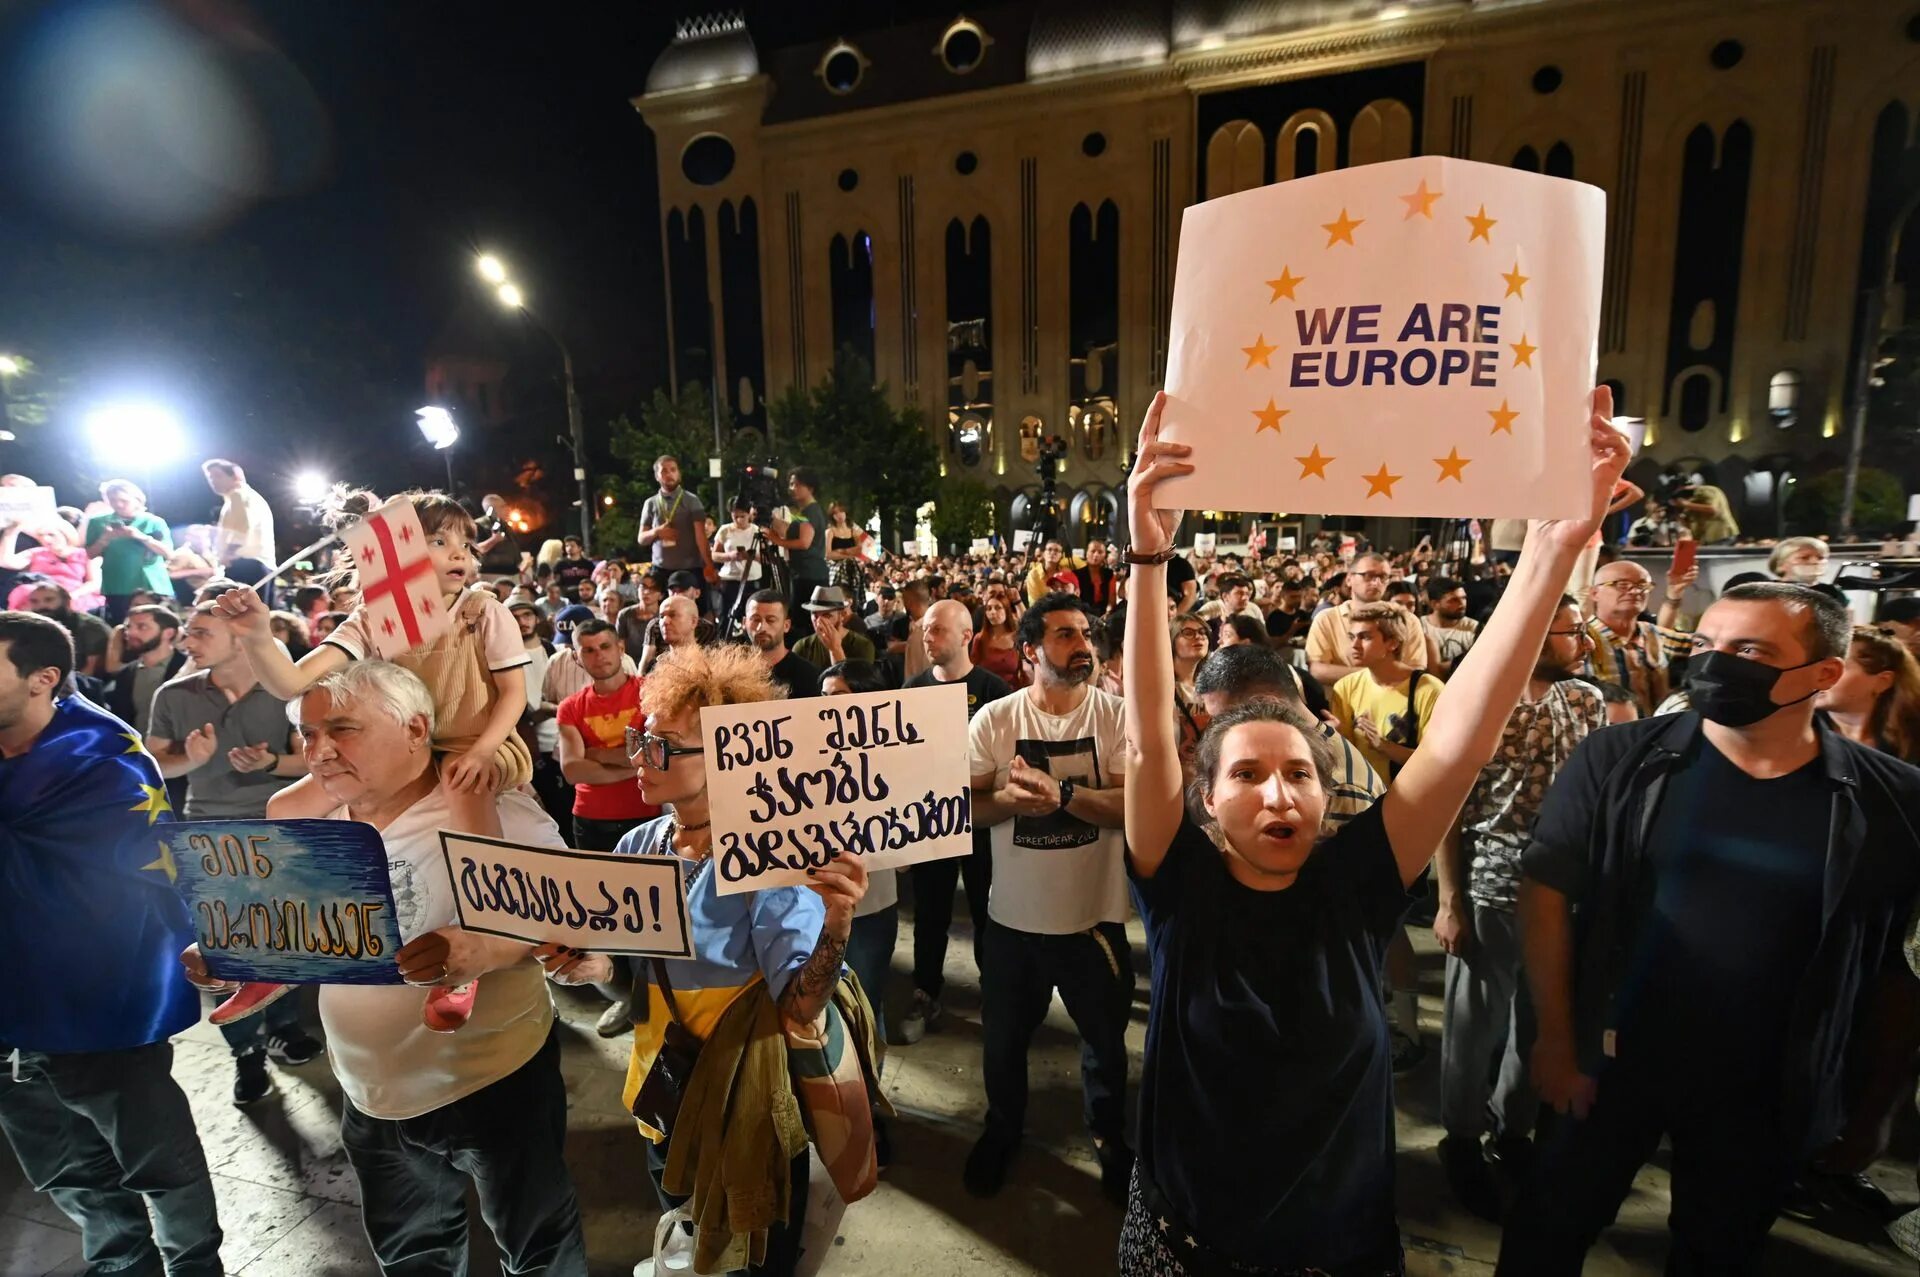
(26, 504)
(1288, 544)
(791, 784)
(1023, 538)
(982, 548)
(1205, 542)
(591, 901)
(1412, 338)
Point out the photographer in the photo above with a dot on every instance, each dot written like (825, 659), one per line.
(1704, 508)
(803, 537)
(740, 568)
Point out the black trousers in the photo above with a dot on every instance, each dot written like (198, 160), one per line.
(509, 1139)
(1093, 970)
(783, 1240)
(107, 1134)
(933, 885)
(600, 835)
(1731, 1169)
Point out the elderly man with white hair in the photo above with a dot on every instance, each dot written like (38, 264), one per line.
(425, 1111)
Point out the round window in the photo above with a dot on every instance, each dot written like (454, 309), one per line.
(842, 68)
(708, 160)
(848, 179)
(962, 48)
(965, 163)
(1546, 79)
(1093, 145)
(1727, 54)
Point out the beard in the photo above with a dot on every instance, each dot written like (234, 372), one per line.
(132, 649)
(1555, 673)
(1077, 671)
(764, 641)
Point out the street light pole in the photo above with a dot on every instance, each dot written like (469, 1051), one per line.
(579, 438)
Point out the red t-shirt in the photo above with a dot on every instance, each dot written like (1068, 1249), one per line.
(602, 723)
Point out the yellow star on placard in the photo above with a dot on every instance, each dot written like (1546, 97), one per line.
(1270, 417)
(1284, 286)
(164, 863)
(1502, 418)
(134, 744)
(1258, 352)
(1313, 465)
(153, 803)
(1522, 352)
(1515, 282)
(1481, 224)
(1381, 483)
(1341, 231)
(1421, 201)
(1452, 466)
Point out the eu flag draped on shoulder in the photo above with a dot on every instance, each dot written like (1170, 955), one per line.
(86, 892)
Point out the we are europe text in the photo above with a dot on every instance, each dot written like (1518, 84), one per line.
(1445, 343)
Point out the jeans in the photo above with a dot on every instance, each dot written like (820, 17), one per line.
(933, 884)
(1094, 972)
(783, 1240)
(279, 1019)
(107, 1134)
(509, 1140)
(870, 954)
(600, 835)
(1487, 1020)
(1732, 1166)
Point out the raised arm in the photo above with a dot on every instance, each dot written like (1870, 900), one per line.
(1152, 796)
(1421, 804)
(275, 670)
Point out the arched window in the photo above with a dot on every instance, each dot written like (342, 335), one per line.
(1696, 401)
(1783, 398)
(1559, 161)
(1236, 159)
(1526, 158)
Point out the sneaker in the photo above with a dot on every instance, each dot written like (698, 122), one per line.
(448, 1009)
(1408, 1052)
(1469, 1177)
(921, 1018)
(253, 996)
(616, 1020)
(986, 1170)
(294, 1048)
(251, 1081)
(1116, 1169)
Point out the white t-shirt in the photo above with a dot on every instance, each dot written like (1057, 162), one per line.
(732, 538)
(1054, 874)
(499, 634)
(389, 1063)
(883, 893)
(246, 520)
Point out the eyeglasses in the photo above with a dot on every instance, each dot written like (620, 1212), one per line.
(1568, 633)
(1189, 632)
(1628, 589)
(656, 751)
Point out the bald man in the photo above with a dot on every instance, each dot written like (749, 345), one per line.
(678, 626)
(947, 628)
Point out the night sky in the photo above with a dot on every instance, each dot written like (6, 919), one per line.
(382, 143)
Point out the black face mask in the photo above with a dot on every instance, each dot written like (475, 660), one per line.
(1733, 692)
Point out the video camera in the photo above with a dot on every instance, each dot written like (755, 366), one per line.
(759, 487)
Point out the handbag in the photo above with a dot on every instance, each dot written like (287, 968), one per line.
(658, 1102)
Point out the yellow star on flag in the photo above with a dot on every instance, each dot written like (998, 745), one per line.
(1284, 286)
(153, 802)
(1421, 201)
(134, 744)
(1481, 224)
(1341, 231)
(1381, 483)
(1258, 352)
(1522, 352)
(1515, 282)
(1502, 418)
(1313, 465)
(1452, 466)
(164, 863)
(1270, 417)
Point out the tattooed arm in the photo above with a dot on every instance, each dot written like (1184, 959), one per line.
(841, 884)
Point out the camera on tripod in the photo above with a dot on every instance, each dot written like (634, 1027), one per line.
(759, 486)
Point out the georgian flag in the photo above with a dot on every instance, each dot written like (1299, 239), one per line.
(397, 585)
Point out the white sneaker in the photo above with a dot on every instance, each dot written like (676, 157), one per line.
(673, 1253)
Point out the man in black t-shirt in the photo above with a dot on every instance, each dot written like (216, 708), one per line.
(1183, 585)
(767, 627)
(573, 569)
(1744, 875)
(948, 631)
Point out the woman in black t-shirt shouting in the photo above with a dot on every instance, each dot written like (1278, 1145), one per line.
(1266, 1113)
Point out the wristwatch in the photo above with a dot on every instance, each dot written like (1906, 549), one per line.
(1066, 794)
(1148, 560)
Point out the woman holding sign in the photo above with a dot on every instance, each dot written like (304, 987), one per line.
(1266, 1113)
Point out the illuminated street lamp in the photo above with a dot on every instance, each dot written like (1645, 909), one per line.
(494, 271)
(310, 487)
(9, 366)
(437, 425)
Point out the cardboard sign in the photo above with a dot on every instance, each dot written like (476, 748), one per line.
(1410, 338)
(26, 504)
(982, 548)
(589, 900)
(287, 901)
(1022, 538)
(1204, 543)
(792, 784)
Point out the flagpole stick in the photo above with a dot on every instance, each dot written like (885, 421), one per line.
(325, 541)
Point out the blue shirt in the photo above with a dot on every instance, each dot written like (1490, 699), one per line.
(94, 927)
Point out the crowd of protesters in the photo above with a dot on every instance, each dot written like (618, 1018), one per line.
(1665, 839)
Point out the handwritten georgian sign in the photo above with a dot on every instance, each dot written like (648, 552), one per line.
(599, 903)
(792, 784)
(288, 901)
(1410, 338)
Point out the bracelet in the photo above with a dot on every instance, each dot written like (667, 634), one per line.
(1148, 560)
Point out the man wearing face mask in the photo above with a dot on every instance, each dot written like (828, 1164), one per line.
(1743, 873)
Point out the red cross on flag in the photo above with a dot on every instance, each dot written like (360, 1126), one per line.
(397, 585)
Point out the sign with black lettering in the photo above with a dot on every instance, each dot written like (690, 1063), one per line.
(588, 900)
(287, 901)
(793, 784)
